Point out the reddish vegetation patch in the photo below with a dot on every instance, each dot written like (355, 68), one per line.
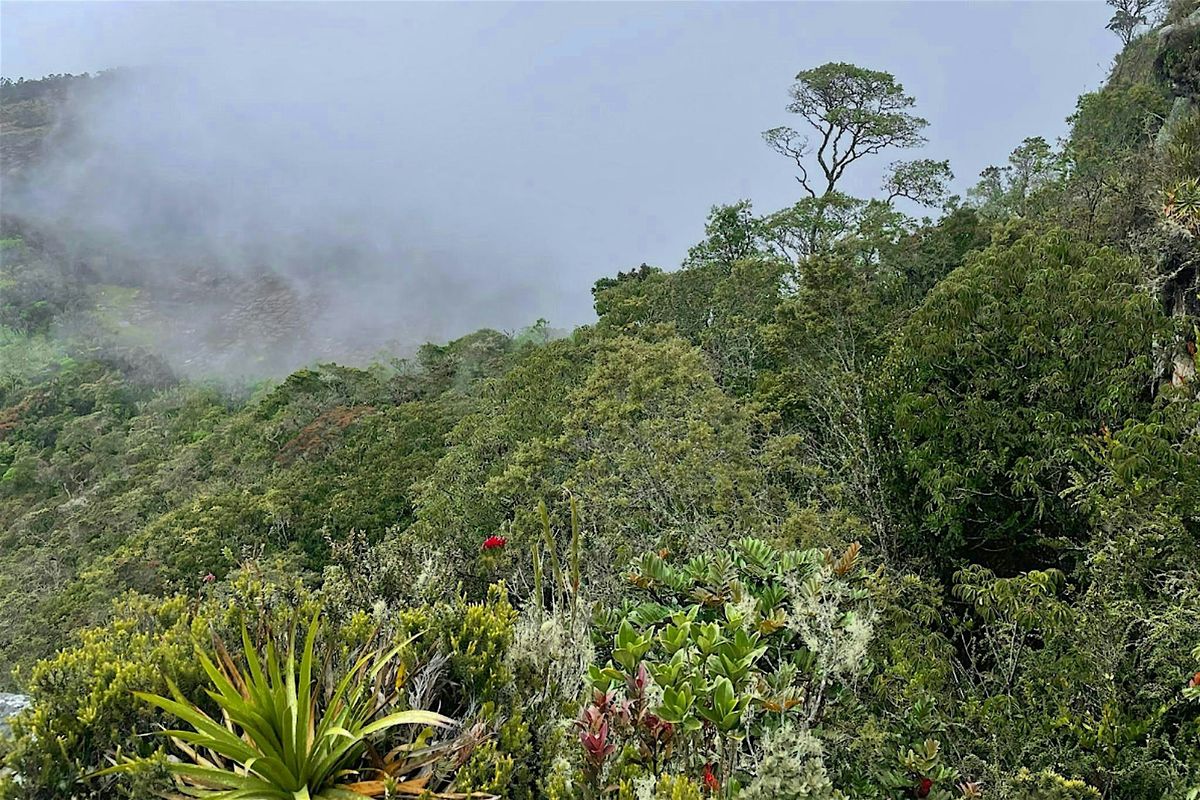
(11, 417)
(315, 437)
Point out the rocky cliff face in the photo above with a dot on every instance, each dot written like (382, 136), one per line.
(1177, 66)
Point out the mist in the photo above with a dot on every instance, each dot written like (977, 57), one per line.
(292, 182)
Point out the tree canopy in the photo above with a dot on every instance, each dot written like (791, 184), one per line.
(851, 504)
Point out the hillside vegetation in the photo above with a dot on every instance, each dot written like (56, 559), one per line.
(853, 504)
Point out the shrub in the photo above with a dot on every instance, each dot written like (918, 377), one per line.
(730, 647)
(791, 768)
(996, 381)
(83, 706)
(1048, 785)
(284, 733)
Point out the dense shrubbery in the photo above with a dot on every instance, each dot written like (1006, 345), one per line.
(1011, 362)
(854, 505)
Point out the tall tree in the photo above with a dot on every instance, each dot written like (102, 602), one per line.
(855, 112)
(731, 233)
(1024, 186)
(1130, 15)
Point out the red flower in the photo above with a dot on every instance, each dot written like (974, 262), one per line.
(923, 787)
(710, 779)
(493, 542)
(209, 578)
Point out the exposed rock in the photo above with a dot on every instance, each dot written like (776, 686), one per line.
(10, 706)
(1177, 64)
(1178, 59)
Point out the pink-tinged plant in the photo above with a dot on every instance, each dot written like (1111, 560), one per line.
(638, 681)
(603, 701)
(971, 790)
(494, 542)
(593, 735)
(656, 735)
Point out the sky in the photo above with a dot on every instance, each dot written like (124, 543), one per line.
(503, 156)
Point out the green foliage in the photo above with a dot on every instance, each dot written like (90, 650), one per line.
(677, 787)
(459, 502)
(1129, 16)
(85, 717)
(83, 707)
(1144, 500)
(1109, 158)
(732, 234)
(486, 772)
(1025, 187)
(923, 181)
(653, 451)
(791, 768)
(737, 643)
(114, 485)
(998, 379)
(1181, 205)
(856, 112)
(1047, 785)
(1178, 62)
(474, 637)
(279, 735)
(575, 528)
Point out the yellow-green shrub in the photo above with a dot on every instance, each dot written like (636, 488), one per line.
(83, 708)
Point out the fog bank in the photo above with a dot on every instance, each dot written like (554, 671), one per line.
(340, 175)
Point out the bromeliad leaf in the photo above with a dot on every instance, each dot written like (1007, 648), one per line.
(278, 741)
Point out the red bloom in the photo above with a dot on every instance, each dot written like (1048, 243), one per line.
(923, 787)
(710, 779)
(492, 542)
(209, 578)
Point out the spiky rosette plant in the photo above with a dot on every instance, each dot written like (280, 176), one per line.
(1181, 205)
(278, 739)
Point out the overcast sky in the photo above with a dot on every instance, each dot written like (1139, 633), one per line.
(555, 144)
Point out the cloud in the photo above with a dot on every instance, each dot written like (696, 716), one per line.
(286, 201)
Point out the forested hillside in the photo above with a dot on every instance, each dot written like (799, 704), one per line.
(878, 497)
